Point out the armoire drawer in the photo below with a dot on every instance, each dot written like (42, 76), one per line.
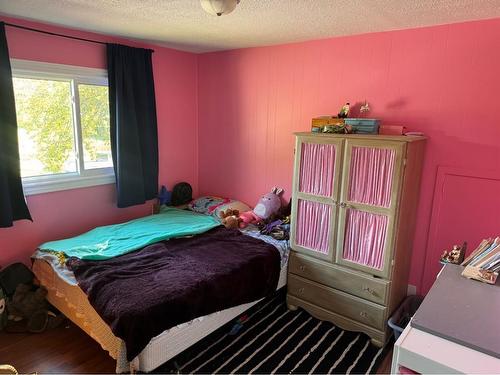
(337, 301)
(352, 282)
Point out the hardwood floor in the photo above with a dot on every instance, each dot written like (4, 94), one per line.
(67, 349)
(385, 366)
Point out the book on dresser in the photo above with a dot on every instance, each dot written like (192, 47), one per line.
(354, 205)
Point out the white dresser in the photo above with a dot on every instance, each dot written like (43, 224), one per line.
(454, 331)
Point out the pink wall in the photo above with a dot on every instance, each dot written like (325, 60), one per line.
(441, 80)
(67, 213)
(226, 121)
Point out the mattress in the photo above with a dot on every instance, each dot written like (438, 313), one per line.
(64, 294)
(66, 274)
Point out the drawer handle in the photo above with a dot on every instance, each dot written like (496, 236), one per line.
(302, 268)
(301, 290)
(368, 290)
(363, 314)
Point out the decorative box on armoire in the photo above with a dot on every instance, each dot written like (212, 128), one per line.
(353, 216)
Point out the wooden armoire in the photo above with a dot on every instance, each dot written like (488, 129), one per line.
(353, 217)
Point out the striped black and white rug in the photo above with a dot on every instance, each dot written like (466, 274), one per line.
(274, 339)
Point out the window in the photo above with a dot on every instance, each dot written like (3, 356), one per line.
(63, 126)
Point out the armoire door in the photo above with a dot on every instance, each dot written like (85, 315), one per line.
(371, 180)
(316, 189)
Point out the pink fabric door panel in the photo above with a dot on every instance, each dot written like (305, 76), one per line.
(370, 176)
(313, 225)
(365, 236)
(317, 168)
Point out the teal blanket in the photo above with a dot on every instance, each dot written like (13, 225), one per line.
(114, 240)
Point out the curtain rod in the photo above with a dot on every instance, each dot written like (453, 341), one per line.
(57, 34)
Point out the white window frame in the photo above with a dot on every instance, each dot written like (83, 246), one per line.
(76, 75)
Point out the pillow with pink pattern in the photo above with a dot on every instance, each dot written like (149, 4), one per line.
(207, 204)
(231, 205)
(212, 205)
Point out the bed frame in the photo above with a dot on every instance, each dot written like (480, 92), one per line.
(73, 303)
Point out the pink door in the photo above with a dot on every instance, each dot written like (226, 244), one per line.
(316, 190)
(368, 202)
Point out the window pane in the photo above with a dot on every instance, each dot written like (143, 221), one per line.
(94, 111)
(44, 116)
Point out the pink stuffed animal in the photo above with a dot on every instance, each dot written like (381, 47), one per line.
(268, 205)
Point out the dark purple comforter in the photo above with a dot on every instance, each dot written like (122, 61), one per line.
(143, 293)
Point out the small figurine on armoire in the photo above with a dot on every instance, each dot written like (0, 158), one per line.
(365, 108)
(344, 111)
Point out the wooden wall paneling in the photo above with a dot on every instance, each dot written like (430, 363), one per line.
(465, 208)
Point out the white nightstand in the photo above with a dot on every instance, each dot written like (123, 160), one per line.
(428, 354)
(455, 330)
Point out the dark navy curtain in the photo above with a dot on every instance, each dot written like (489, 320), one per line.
(134, 135)
(12, 202)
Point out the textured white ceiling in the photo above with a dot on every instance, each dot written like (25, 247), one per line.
(182, 24)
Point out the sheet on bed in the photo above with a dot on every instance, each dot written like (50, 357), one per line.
(114, 240)
(283, 246)
(143, 293)
(67, 275)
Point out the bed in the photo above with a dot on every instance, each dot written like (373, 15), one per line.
(65, 294)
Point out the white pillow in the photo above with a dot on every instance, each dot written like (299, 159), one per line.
(233, 205)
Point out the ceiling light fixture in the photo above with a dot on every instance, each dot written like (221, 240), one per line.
(219, 7)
